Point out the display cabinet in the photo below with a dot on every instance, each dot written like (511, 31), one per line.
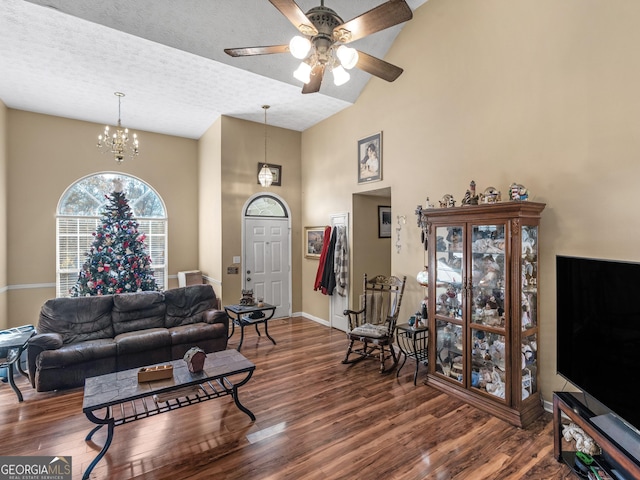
(483, 305)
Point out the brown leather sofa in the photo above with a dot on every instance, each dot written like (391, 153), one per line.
(83, 337)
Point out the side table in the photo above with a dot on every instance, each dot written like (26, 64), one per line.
(12, 343)
(243, 315)
(412, 342)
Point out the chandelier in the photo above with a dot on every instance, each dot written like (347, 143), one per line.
(117, 143)
(265, 177)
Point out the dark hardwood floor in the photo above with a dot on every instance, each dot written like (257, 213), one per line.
(315, 419)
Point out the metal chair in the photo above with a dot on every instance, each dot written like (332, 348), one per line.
(373, 326)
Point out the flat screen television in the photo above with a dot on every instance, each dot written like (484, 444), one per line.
(598, 331)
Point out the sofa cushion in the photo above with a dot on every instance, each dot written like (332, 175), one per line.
(186, 305)
(138, 311)
(143, 340)
(193, 333)
(77, 319)
(208, 337)
(76, 353)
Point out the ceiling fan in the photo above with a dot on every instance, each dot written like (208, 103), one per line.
(323, 44)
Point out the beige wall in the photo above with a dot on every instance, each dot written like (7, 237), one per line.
(47, 154)
(3, 217)
(542, 93)
(242, 148)
(210, 201)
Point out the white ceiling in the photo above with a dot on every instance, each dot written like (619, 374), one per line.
(68, 57)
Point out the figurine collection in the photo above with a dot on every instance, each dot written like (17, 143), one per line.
(516, 193)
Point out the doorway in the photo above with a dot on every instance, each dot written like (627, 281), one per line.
(370, 253)
(266, 259)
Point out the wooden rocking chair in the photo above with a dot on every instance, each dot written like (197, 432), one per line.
(373, 326)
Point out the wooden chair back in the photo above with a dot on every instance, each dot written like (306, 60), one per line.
(381, 300)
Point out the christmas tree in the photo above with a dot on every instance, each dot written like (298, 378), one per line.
(117, 261)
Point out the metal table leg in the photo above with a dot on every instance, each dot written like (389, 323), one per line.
(13, 357)
(110, 423)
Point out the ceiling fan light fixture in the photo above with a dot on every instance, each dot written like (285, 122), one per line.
(340, 76)
(348, 56)
(323, 37)
(303, 73)
(299, 47)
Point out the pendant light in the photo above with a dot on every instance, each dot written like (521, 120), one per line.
(265, 177)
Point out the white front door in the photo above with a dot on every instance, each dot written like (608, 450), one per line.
(267, 262)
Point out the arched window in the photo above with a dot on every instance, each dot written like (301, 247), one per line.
(81, 207)
(266, 206)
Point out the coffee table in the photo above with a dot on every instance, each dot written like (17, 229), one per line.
(12, 343)
(241, 315)
(117, 398)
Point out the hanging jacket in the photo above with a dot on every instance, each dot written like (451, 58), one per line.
(323, 258)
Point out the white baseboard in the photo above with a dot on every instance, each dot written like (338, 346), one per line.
(319, 320)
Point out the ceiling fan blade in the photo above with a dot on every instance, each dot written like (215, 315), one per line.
(316, 79)
(297, 17)
(247, 51)
(383, 16)
(377, 67)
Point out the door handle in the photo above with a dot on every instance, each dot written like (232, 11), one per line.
(248, 279)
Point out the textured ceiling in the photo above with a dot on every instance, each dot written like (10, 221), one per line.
(68, 57)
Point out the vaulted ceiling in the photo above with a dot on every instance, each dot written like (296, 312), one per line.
(68, 57)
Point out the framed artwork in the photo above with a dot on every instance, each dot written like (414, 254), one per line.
(370, 158)
(313, 240)
(384, 222)
(276, 171)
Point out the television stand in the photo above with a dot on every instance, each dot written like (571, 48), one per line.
(619, 450)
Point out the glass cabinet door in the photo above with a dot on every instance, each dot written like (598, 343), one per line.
(449, 348)
(449, 271)
(488, 275)
(529, 309)
(449, 274)
(489, 370)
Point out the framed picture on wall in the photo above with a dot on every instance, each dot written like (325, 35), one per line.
(276, 171)
(384, 222)
(313, 240)
(370, 158)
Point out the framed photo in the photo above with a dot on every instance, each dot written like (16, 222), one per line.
(370, 159)
(276, 171)
(384, 222)
(313, 240)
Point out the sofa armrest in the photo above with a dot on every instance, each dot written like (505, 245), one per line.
(37, 344)
(216, 316)
(46, 341)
